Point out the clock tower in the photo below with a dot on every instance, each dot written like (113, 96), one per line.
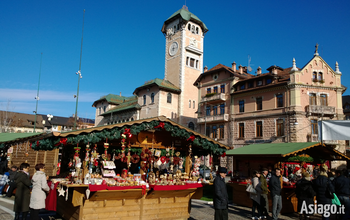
(184, 40)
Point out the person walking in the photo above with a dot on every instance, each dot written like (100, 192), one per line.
(22, 195)
(40, 187)
(220, 195)
(275, 189)
(342, 190)
(305, 194)
(264, 201)
(12, 184)
(256, 196)
(323, 188)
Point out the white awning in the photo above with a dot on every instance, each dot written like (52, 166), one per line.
(334, 130)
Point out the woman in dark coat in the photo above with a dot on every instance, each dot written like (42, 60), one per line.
(322, 185)
(305, 192)
(22, 197)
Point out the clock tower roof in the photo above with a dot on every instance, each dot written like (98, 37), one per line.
(186, 15)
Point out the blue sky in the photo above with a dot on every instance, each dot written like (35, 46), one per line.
(124, 47)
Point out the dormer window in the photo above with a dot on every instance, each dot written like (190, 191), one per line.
(242, 87)
(250, 85)
(152, 97)
(268, 81)
(259, 83)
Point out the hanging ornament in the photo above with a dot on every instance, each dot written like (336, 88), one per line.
(87, 159)
(106, 146)
(58, 168)
(161, 125)
(70, 164)
(60, 191)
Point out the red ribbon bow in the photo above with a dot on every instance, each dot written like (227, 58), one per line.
(62, 141)
(127, 132)
(224, 154)
(191, 138)
(161, 125)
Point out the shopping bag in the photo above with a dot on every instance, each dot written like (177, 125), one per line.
(251, 189)
(335, 200)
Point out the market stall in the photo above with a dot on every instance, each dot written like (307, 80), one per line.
(146, 169)
(291, 158)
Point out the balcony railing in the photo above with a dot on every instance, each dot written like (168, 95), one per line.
(213, 118)
(320, 109)
(216, 97)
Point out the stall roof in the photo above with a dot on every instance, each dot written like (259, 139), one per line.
(288, 149)
(160, 119)
(9, 138)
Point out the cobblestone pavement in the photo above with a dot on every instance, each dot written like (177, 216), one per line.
(6, 208)
(202, 210)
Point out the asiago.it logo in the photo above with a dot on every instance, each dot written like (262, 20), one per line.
(323, 209)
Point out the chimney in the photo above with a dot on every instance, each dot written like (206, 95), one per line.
(274, 70)
(205, 69)
(234, 66)
(258, 72)
(245, 69)
(240, 69)
(120, 94)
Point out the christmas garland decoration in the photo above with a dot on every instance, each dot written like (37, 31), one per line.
(301, 159)
(115, 133)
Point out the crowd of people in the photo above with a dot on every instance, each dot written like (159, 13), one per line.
(29, 193)
(324, 186)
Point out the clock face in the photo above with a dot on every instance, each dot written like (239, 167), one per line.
(173, 48)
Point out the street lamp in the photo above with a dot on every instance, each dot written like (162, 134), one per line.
(37, 95)
(79, 76)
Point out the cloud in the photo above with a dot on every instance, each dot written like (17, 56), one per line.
(47, 95)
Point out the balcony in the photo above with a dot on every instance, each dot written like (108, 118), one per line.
(314, 138)
(320, 110)
(213, 118)
(214, 97)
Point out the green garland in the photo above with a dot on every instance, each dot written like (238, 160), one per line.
(301, 159)
(114, 133)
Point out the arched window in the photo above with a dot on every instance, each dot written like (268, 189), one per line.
(189, 27)
(314, 76)
(144, 99)
(152, 97)
(320, 76)
(197, 30)
(168, 98)
(191, 125)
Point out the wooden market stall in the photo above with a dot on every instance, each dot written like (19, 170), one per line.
(153, 147)
(257, 156)
(16, 148)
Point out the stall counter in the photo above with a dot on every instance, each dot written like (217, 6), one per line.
(158, 202)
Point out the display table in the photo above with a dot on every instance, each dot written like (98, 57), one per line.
(127, 203)
(242, 197)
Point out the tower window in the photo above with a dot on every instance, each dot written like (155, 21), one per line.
(241, 106)
(168, 98)
(196, 64)
(191, 125)
(189, 103)
(197, 30)
(152, 97)
(241, 130)
(192, 62)
(189, 27)
(144, 99)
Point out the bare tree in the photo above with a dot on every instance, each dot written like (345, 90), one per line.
(7, 118)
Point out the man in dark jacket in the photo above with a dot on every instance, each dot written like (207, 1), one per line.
(220, 195)
(342, 190)
(275, 189)
(264, 203)
(12, 184)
